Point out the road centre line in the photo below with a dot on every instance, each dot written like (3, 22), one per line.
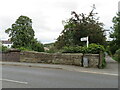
(14, 81)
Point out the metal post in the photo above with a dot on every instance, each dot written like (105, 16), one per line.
(87, 41)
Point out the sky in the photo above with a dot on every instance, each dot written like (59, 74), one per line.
(47, 15)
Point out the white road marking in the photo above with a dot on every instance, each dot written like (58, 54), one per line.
(101, 73)
(14, 81)
(94, 72)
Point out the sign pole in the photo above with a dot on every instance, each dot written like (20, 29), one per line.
(87, 42)
(85, 39)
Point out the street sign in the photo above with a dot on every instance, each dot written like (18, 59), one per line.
(85, 39)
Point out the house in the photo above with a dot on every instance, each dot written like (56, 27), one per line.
(7, 43)
(46, 48)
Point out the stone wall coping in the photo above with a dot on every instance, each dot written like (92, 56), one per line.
(14, 50)
(91, 54)
(71, 53)
(35, 52)
(54, 53)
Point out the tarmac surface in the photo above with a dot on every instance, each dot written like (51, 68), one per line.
(36, 75)
(110, 69)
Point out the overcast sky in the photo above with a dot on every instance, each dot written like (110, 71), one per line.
(47, 15)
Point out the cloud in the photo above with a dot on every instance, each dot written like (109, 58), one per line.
(47, 15)
(47, 36)
(66, 4)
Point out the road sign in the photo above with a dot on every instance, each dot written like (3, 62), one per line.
(85, 39)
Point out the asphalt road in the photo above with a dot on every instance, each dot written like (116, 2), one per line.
(31, 77)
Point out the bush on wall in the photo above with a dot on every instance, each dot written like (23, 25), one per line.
(117, 55)
(35, 47)
(92, 48)
(3, 48)
(24, 49)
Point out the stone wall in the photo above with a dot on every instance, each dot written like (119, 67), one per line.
(11, 55)
(93, 60)
(67, 58)
(59, 58)
(36, 57)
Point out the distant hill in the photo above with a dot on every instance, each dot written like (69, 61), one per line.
(48, 45)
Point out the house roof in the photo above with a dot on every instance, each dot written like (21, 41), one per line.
(6, 42)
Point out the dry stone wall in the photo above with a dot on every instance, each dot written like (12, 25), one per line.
(59, 58)
(36, 57)
(93, 60)
(11, 55)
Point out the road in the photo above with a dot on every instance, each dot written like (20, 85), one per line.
(31, 77)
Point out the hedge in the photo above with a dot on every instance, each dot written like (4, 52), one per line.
(92, 48)
(3, 48)
(117, 55)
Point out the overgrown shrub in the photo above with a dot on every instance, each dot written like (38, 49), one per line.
(113, 47)
(51, 51)
(71, 49)
(108, 50)
(117, 55)
(3, 48)
(103, 62)
(38, 47)
(35, 47)
(0, 48)
(93, 48)
(24, 49)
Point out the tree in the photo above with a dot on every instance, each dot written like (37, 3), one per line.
(115, 44)
(37, 46)
(81, 25)
(22, 34)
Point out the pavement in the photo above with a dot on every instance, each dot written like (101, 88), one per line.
(111, 68)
